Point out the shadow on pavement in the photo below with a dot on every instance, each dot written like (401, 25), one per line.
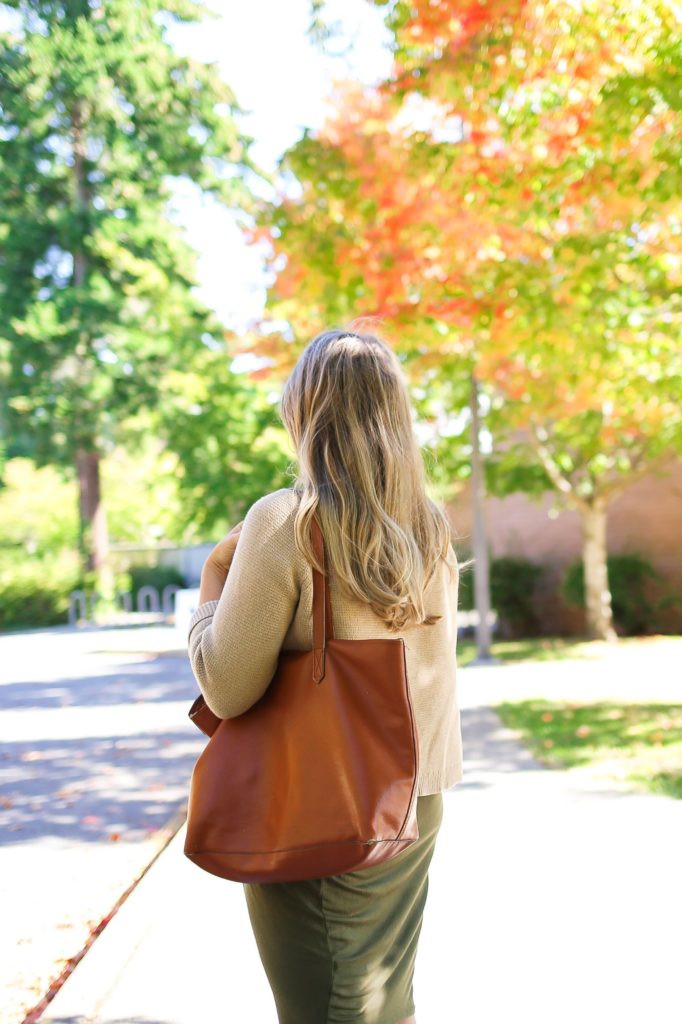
(490, 747)
(161, 678)
(107, 1020)
(97, 788)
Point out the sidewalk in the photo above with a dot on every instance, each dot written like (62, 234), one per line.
(550, 902)
(96, 753)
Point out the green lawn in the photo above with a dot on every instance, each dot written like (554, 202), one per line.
(635, 745)
(628, 745)
(558, 648)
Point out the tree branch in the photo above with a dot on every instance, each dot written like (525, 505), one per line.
(560, 481)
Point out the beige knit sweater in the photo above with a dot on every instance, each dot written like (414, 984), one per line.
(266, 605)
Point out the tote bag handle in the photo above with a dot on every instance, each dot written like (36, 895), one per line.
(323, 625)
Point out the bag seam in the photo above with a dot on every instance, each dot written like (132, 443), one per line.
(300, 849)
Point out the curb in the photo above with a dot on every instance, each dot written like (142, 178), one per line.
(163, 838)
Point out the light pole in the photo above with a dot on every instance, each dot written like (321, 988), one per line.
(479, 540)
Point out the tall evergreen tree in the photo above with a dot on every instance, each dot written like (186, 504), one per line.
(98, 114)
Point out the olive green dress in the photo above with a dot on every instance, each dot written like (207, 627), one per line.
(343, 948)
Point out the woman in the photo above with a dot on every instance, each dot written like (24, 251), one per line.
(342, 948)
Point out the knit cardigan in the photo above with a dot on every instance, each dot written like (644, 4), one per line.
(266, 605)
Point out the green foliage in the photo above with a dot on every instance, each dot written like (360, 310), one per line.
(640, 742)
(512, 585)
(141, 488)
(551, 649)
(526, 235)
(511, 469)
(630, 577)
(30, 600)
(38, 512)
(158, 576)
(229, 441)
(36, 592)
(97, 297)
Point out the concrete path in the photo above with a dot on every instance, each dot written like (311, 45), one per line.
(646, 670)
(96, 753)
(550, 901)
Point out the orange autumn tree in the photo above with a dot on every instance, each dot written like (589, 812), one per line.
(570, 113)
(508, 203)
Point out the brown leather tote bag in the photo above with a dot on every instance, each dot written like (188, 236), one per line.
(320, 775)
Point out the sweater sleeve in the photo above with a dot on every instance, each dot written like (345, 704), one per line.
(234, 642)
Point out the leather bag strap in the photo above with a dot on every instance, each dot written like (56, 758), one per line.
(323, 625)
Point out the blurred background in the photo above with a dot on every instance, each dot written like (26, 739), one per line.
(188, 194)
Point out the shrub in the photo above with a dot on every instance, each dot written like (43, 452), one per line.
(512, 585)
(35, 594)
(158, 576)
(630, 577)
(466, 590)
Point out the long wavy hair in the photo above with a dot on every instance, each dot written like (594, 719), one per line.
(346, 408)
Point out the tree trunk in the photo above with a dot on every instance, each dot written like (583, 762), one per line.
(597, 593)
(94, 537)
(479, 540)
(93, 534)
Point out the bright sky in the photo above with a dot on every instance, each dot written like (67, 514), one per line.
(282, 80)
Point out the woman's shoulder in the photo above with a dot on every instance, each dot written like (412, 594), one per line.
(284, 498)
(271, 516)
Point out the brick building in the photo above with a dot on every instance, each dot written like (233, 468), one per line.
(646, 519)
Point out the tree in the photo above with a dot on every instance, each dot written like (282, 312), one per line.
(98, 114)
(508, 200)
(570, 127)
(228, 437)
(355, 237)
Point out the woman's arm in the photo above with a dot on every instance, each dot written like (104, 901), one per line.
(217, 566)
(212, 583)
(236, 633)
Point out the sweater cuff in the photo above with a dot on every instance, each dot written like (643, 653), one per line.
(204, 611)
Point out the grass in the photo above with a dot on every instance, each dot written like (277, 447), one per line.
(638, 746)
(557, 648)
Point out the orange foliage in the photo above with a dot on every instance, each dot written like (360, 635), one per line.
(500, 245)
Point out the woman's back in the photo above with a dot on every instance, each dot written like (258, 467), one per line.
(267, 606)
(343, 947)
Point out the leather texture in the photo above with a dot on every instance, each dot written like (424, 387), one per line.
(320, 775)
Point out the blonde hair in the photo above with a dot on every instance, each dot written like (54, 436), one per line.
(346, 408)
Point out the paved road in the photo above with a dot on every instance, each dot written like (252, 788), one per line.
(550, 900)
(96, 752)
